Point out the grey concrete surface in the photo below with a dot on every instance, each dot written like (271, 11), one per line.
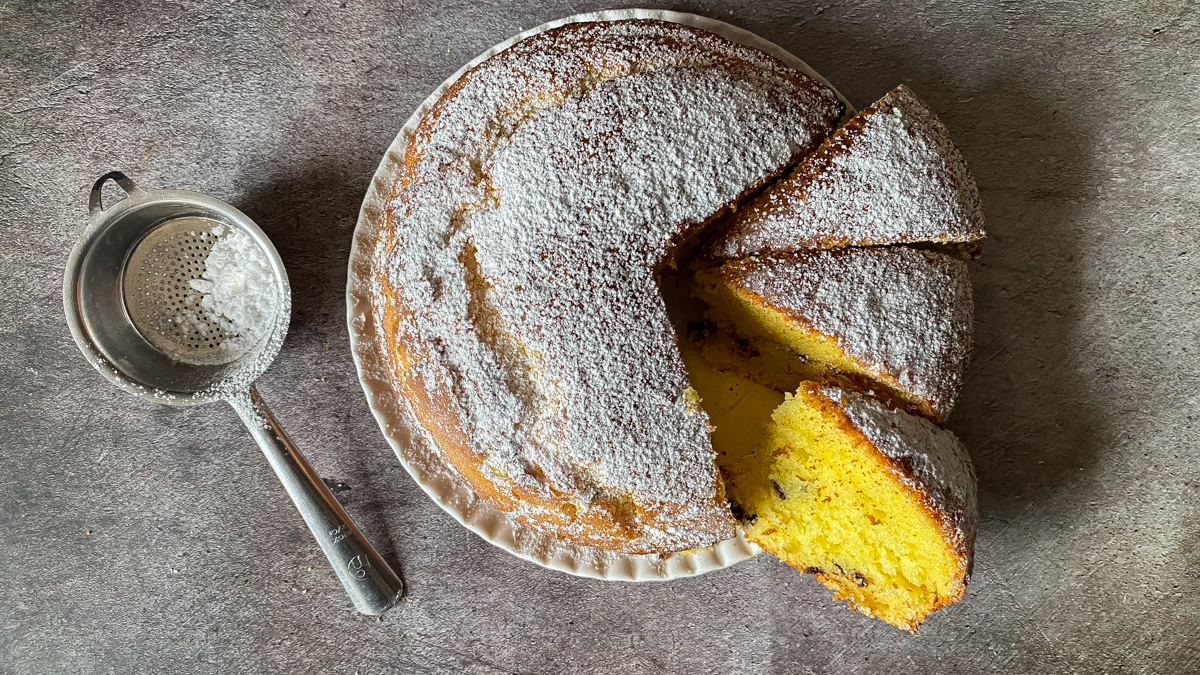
(1080, 121)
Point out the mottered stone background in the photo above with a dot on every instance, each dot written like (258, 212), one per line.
(1081, 122)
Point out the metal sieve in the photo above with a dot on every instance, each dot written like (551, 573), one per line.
(136, 317)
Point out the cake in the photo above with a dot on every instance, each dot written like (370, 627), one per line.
(537, 250)
(891, 175)
(515, 273)
(892, 320)
(879, 505)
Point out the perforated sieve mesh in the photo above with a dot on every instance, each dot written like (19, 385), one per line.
(161, 302)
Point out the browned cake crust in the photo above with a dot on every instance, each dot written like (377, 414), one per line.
(890, 175)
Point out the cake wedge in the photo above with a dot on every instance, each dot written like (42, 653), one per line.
(891, 175)
(877, 504)
(895, 321)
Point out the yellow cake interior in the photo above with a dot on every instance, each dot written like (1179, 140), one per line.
(776, 349)
(737, 406)
(809, 491)
(817, 495)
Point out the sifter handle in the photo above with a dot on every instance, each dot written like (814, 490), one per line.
(95, 204)
(368, 579)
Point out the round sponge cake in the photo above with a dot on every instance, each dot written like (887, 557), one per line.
(516, 271)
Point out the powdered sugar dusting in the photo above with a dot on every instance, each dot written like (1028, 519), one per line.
(905, 314)
(237, 290)
(890, 175)
(933, 460)
(542, 193)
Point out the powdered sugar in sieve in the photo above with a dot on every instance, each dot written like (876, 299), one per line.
(199, 291)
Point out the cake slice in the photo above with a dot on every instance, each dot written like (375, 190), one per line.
(895, 321)
(877, 504)
(890, 175)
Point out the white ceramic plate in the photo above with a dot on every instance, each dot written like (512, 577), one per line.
(416, 449)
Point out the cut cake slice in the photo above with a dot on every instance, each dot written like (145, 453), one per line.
(877, 504)
(895, 321)
(890, 175)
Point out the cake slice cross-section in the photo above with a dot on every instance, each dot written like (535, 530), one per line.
(894, 321)
(891, 175)
(877, 504)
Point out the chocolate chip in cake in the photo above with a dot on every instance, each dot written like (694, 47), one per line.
(740, 514)
(736, 510)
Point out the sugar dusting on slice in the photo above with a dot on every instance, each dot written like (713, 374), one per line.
(540, 196)
(890, 175)
(904, 314)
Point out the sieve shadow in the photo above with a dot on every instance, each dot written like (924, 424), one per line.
(309, 214)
